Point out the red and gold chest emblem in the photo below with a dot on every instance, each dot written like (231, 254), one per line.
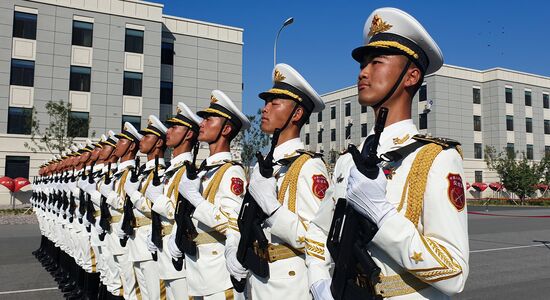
(320, 186)
(237, 186)
(456, 191)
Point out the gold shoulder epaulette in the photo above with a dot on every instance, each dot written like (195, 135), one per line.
(310, 153)
(443, 142)
(233, 162)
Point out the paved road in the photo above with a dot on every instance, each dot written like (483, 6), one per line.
(19, 269)
(505, 262)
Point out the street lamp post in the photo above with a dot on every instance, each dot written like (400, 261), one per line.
(286, 23)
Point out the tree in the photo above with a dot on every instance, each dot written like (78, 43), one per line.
(519, 176)
(54, 138)
(252, 140)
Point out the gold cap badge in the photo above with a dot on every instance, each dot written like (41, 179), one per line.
(213, 99)
(278, 76)
(378, 25)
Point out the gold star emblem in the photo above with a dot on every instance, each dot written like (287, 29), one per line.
(301, 239)
(213, 99)
(218, 217)
(417, 257)
(378, 25)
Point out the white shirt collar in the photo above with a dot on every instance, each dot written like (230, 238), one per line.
(179, 160)
(287, 149)
(125, 164)
(218, 158)
(395, 136)
(149, 165)
(98, 167)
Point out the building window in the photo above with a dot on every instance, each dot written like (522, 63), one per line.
(477, 151)
(133, 41)
(477, 123)
(307, 138)
(78, 124)
(22, 72)
(364, 131)
(82, 33)
(478, 176)
(423, 120)
(80, 79)
(167, 54)
(333, 112)
(477, 95)
(132, 84)
(423, 93)
(546, 100)
(510, 123)
(527, 98)
(320, 136)
(333, 135)
(320, 116)
(363, 109)
(529, 152)
(510, 148)
(24, 26)
(19, 120)
(166, 92)
(348, 109)
(546, 150)
(546, 126)
(134, 120)
(508, 95)
(528, 125)
(17, 166)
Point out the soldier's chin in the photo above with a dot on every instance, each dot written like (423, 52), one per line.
(266, 128)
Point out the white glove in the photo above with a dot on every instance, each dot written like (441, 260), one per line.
(85, 221)
(150, 245)
(98, 228)
(189, 189)
(78, 214)
(264, 191)
(154, 192)
(369, 196)
(131, 187)
(233, 265)
(173, 249)
(119, 232)
(320, 290)
(71, 186)
(88, 187)
(106, 189)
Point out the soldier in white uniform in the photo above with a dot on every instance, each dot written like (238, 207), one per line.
(126, 149)
(217, 195)
(181, 136)
(417, 201)
(292, 195)
(146, 269)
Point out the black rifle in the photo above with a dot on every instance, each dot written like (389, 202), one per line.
(128, 219)
(81, 198)
(355, 272)
(156, 226)
(72, 204)
(105, 220)
(90, 210)
(252, 250)
(186, 231)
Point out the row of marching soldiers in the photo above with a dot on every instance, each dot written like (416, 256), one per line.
(115, 228)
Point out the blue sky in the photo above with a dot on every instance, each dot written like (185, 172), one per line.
(474, 34)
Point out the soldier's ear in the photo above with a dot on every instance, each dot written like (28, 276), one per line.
(227, 130)
(414, 75)
(298, 114)
(159, 143)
